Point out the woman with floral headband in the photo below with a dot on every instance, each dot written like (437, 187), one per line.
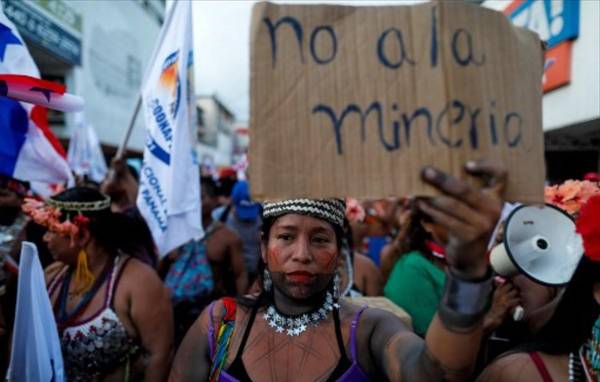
(112, 311)
(567, 348)
(297, 330)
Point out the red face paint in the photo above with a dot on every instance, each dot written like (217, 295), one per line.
(302, 254)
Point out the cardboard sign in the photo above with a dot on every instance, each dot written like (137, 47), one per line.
(353, 101)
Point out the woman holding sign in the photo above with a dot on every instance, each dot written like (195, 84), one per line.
(296, 329)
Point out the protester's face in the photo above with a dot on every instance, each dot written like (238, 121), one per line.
(61, 247)
(302, 254)
(534, 296)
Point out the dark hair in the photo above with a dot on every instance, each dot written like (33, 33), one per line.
(112, 231)
(209, 186)
(417, 236)
(571, 324)
(225, 186)
(134, 172)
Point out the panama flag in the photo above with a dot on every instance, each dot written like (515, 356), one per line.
(28, 149)
(169, 192)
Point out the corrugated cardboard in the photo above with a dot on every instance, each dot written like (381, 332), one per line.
(445, 82)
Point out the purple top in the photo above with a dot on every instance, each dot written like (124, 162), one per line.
(353, 374)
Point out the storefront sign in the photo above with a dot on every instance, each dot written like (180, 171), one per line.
(44, 31)
(557, 66)
(557, 23)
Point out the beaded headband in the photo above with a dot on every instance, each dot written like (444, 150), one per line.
(98, 205)
(330, 210)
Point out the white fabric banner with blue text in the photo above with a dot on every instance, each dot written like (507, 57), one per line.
(169, 194)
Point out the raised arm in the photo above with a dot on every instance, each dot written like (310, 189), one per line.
(452, 341)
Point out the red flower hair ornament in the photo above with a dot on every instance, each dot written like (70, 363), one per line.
(50, 214)
(588, 226)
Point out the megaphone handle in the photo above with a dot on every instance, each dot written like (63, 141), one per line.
(518, 313)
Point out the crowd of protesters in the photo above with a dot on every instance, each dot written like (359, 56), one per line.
(266, 293)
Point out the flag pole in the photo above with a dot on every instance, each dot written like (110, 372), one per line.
(136, 110)
(123, 145)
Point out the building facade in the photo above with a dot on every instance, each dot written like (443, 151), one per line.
(571, 83)
(100, 50)
(215, 132)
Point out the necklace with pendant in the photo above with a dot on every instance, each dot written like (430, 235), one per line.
(295, 325)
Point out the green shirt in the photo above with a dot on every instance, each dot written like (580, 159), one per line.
(416, 285)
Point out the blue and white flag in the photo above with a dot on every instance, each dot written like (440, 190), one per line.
(85, 154)
(36, 354)
(169, 193)
(28, 149)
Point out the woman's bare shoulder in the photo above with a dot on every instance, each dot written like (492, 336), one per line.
(515, 367)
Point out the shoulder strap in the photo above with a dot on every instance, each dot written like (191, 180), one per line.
(338, 333)
(115, 276)
(353, 330)
(539, 364)
(246, 334)
(55, 280)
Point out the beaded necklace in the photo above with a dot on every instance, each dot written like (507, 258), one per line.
(295, 325)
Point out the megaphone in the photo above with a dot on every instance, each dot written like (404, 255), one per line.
(540, 242)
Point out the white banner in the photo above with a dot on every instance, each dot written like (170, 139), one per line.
(85, 154)
(36, 354)
(169, 194)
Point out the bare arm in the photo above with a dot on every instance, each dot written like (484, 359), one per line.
(452, 341)
(152, 316)
(392, 251)
(370, 275)
(516, 367)
(192, 361)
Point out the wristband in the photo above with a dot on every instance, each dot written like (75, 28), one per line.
(464, 303)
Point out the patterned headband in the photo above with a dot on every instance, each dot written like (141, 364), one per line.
(330, 210)
(98, 205)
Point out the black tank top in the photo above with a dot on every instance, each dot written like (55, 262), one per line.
(237, 369)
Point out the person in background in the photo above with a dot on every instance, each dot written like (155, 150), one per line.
(112, 311)
(567, 347)
(359, 274)
(223, 247)
(226, 180)
(417, 280)
(243, 217)
(121, 185)
(12, 229)
(205, 269)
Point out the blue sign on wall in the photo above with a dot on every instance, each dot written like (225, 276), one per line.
(555, 21)
(43, 31)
